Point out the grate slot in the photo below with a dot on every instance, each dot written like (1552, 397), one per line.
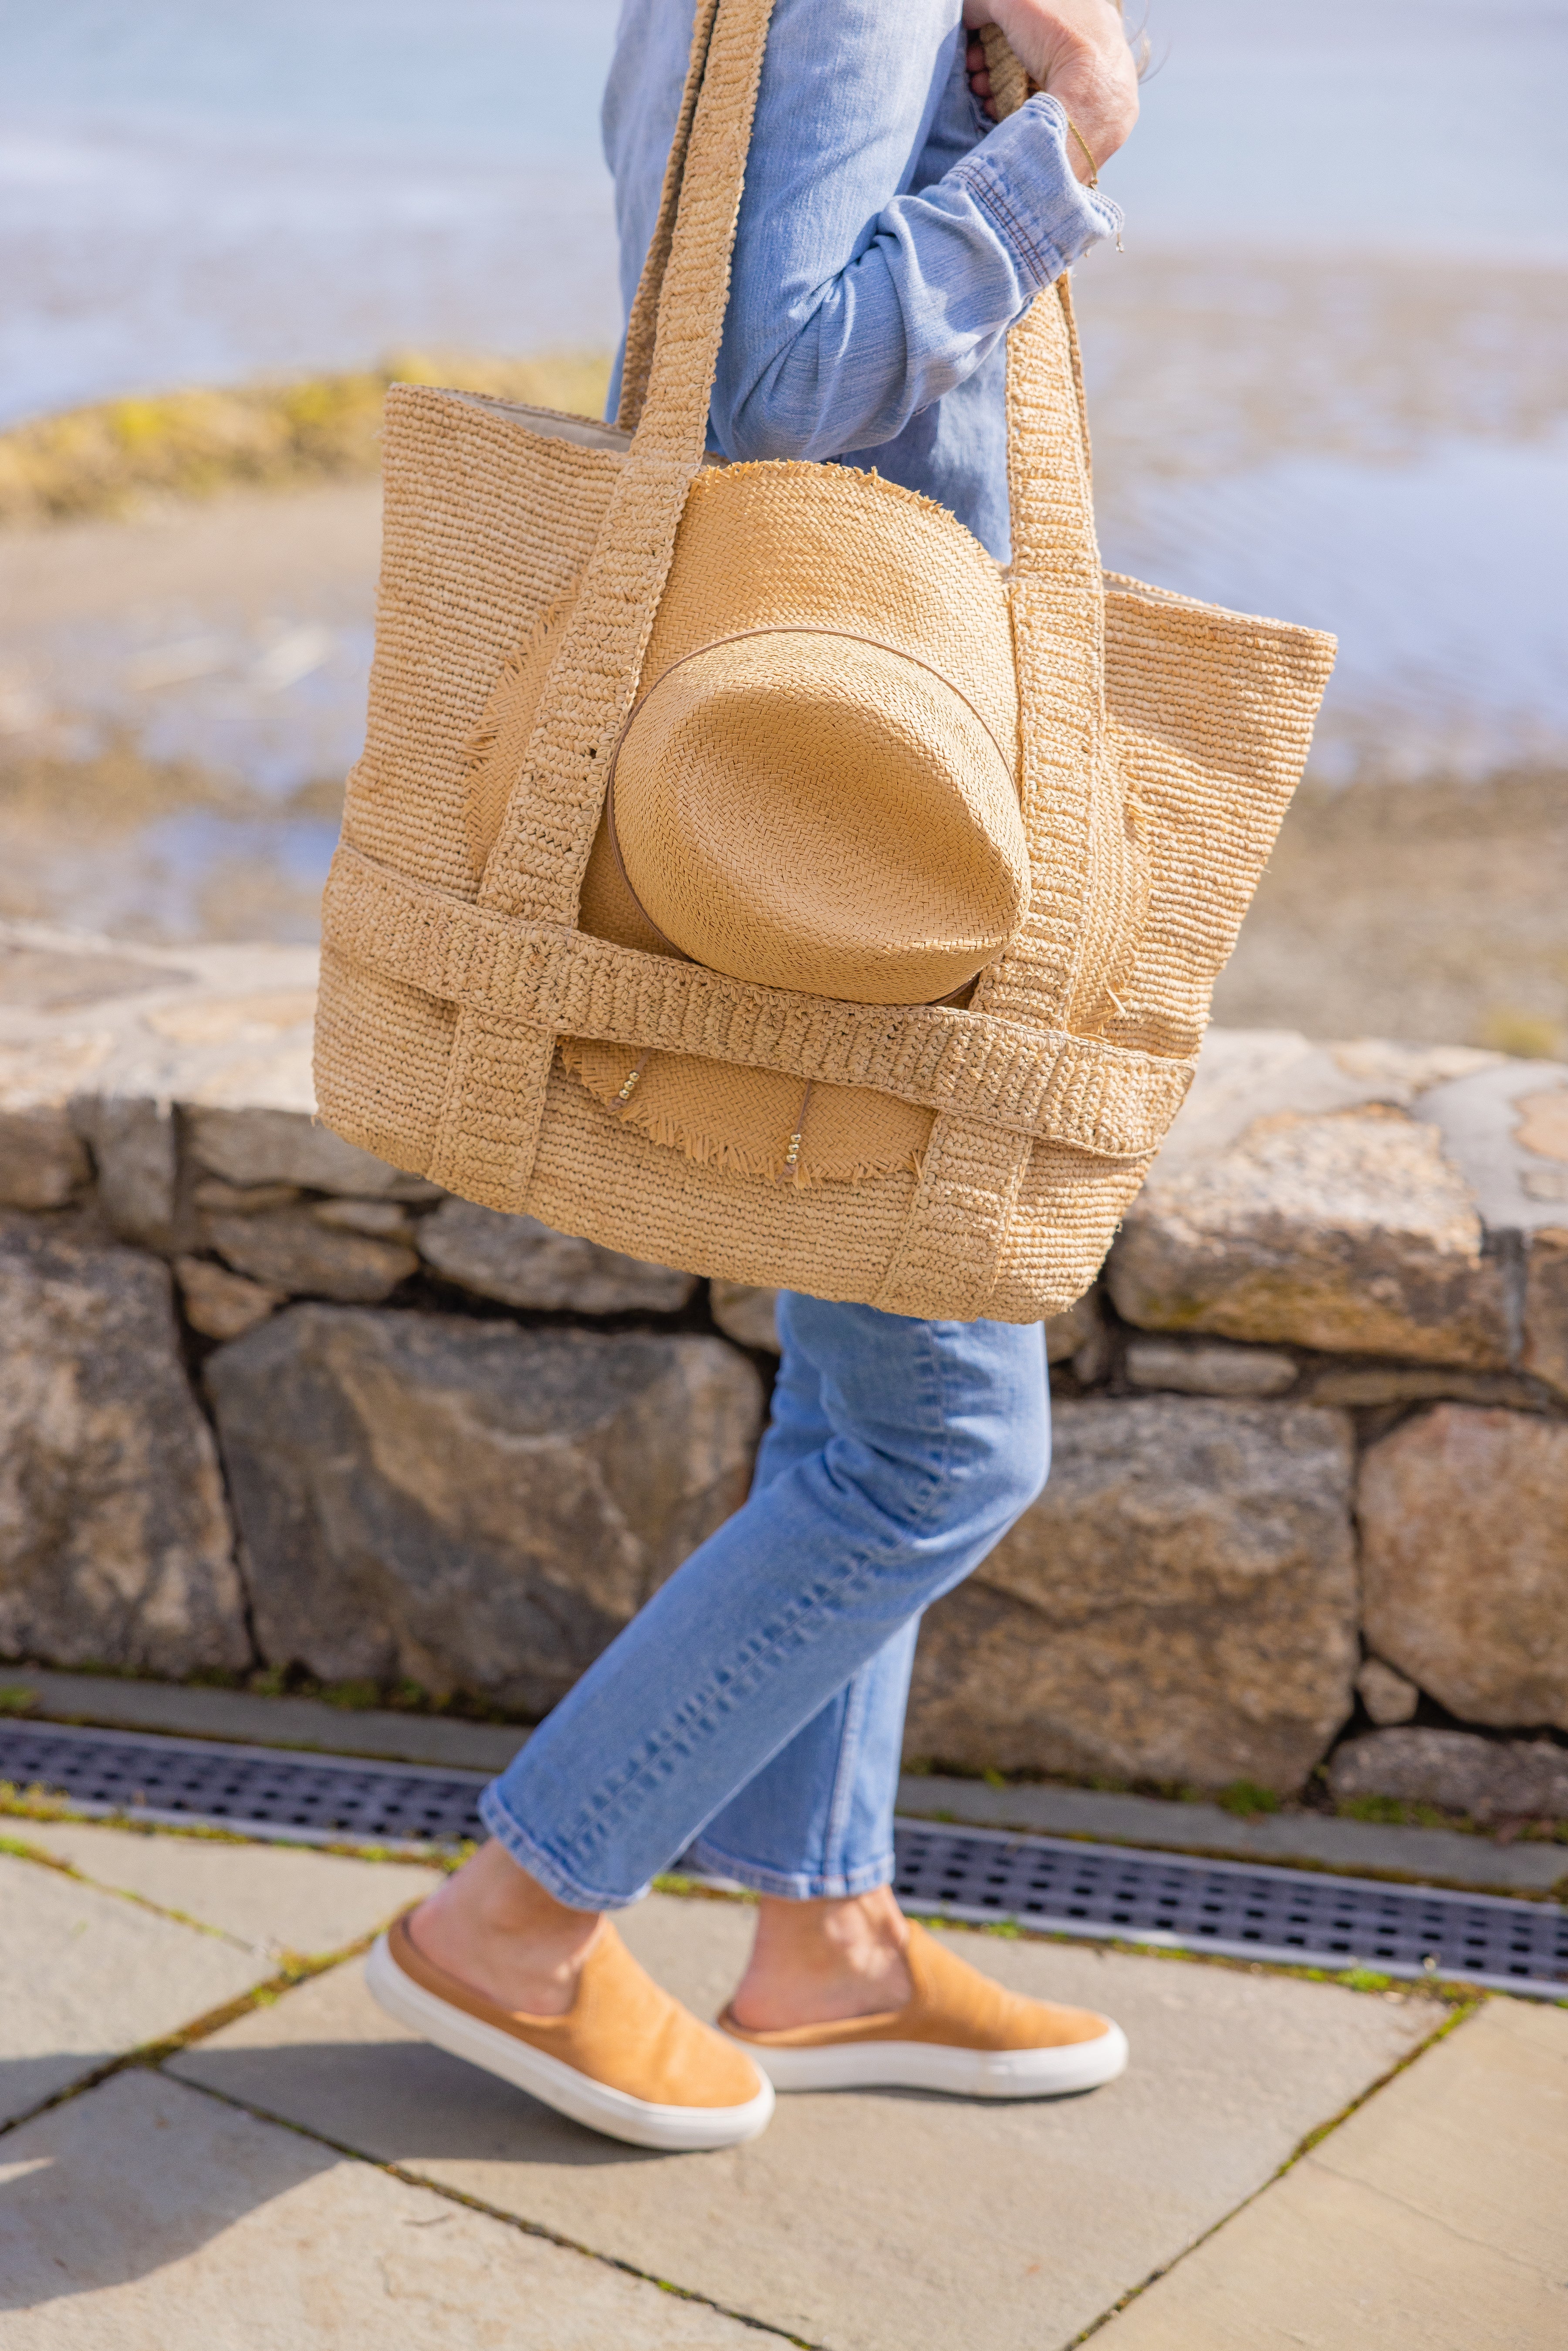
(1233, 1908)
(317, 1800)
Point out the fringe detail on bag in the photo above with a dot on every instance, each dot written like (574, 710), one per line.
(491, 759)
(482, 740)
(772, 1165)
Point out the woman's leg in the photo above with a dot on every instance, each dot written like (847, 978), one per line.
(812, 1834)
(936, 1439)
(816, 1820)
(758, 1702)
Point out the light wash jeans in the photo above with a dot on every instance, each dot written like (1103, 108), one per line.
(756, 1705)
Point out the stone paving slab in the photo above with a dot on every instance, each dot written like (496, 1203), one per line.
(146, 2217)
(88, 1975)
(272, 1898)
(1436, 2218)
(864, 2222)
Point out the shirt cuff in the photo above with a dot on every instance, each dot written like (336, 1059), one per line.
(1021, 175)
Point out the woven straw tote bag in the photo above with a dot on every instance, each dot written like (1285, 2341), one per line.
(497, 1012)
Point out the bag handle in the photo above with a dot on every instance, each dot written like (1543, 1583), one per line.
(1010, 88)
(1058, 590)
(498, 1071)
(642, 326)
(535, 865)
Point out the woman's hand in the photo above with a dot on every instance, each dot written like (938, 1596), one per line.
(1077, 49)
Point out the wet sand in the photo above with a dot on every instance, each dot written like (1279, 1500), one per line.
(1433, 911)
(181, 697)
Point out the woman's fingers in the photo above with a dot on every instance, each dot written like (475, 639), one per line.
(1076, 49)
(979, 79)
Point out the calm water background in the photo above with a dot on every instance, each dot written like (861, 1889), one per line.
(195, 191)
(1329, 377)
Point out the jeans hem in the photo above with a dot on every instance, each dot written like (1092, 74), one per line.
(507, 1830)
(792, 1885)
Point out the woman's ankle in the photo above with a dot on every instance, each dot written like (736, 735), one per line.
(824, 1962)
(499, 1932)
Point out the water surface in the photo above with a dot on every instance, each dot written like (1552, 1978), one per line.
(1329, 376)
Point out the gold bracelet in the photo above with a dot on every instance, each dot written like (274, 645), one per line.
(1093, 178)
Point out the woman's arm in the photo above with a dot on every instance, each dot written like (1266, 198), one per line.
(858, 297)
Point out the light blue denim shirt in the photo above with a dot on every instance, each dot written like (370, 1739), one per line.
(889, 237)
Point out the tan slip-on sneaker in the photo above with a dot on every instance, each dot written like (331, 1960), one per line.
(626, 2059)
(959, 2032)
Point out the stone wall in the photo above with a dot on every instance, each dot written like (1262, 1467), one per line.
(266, 1404)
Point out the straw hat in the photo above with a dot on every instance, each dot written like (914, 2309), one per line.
(821, 794)
(818, 788)
(812, 810)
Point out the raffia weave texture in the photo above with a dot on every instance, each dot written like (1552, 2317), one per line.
(495, 1014)
(818, 812)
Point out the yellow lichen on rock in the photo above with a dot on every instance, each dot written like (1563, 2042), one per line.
(189, 444)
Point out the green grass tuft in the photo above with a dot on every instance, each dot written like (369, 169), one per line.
(354, 1697)
(1247, 1799)
(1400, 1812)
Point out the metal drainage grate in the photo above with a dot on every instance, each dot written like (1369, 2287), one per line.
(1052, 1882)
(1242, 1911)
(315, 1799)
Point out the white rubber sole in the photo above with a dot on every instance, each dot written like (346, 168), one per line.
(614, 2112)
(961, 2073)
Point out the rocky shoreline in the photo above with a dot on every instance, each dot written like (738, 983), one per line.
(114, 456)
(270, 1406)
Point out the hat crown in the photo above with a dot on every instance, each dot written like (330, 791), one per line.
(818, 787)
(812, 809)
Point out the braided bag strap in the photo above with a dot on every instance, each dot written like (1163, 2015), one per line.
(498, 1069)
(642, 327)
(950, 1251)
(536, 867)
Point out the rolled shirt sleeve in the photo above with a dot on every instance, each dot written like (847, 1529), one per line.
(889, 237)
(859, 296)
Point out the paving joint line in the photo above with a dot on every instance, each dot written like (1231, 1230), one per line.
(411, 2178)
(44, 1808)
(18, 1849)
(148, 2055)
(1463, 2009)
